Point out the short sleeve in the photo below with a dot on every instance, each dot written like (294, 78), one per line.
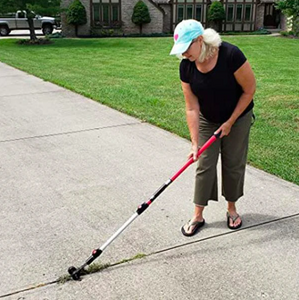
(184, 71)
(237, 59)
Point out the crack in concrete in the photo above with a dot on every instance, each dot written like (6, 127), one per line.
(150, 254)
(69, 132)
(37, 93)
(33, 287)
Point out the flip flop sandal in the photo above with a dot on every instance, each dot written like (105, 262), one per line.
(196, 225)
(233, 218)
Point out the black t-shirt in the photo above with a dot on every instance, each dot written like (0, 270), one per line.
(217, 91)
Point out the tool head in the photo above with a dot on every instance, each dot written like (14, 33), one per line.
(74, 272)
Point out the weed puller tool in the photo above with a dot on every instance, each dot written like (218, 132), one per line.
(76, 272)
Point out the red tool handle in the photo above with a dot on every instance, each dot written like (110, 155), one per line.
(200, 151)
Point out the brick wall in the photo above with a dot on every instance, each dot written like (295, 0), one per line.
(69, 30)
(156, 24)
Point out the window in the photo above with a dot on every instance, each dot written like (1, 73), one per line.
(105, 16)
(96, 12)
(106, 13)
(239, 12)
(115, 13)
(198, 12)
(21, 15)
(189, 11)
(180, 12)
(230, 13)
(248, 9)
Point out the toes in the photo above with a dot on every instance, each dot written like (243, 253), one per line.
(231, 223)
(188, 228)
(235, 223)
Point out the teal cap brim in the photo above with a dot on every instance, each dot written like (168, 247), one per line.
(179, 48)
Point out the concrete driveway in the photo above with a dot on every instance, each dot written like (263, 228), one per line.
(73, 171)
(23, 34)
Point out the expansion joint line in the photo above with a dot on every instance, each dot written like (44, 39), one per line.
(69, 132)
(160, 251)
(223, 234)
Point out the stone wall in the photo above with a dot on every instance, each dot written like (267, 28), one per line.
(167, 22)
(128, 27)
(69, 30)
(283, 22)
(260, 10)
(260, 17)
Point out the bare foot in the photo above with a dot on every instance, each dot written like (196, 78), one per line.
(192, 226)
(234, 221)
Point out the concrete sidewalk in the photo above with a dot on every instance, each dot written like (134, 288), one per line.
(73, 171)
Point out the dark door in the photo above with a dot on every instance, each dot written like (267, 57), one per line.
(271, 16)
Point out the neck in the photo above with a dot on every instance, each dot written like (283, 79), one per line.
(210, 58)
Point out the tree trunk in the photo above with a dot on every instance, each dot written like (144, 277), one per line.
(76, 30)
(31, 29)
(140, 28)
(217, 25)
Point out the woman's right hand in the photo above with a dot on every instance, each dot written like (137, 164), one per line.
(193, 152)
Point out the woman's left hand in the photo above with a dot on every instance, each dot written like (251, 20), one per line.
(225, 128)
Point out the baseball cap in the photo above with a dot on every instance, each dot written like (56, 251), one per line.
(184, 33)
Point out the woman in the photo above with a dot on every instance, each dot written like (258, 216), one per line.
(218, 85)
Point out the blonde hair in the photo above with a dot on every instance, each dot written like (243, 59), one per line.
(211, 43)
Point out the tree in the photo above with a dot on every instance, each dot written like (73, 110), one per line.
(216, 15)
(32, 8)
(291, 9)
(76, 15)
(140, 14)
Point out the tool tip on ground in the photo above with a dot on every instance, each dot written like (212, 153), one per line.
(74, 272)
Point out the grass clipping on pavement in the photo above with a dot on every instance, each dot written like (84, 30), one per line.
(98, 267)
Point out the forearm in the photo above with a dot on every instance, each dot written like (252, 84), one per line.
(243, 102)
(193, 125)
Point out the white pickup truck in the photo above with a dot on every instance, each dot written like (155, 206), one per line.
(18, 21)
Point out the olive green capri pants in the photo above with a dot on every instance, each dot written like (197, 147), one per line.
(233, 149)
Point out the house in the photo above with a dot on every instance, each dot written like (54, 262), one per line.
(114, 16)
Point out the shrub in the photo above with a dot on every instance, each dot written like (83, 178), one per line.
(216, 15)
(42, 41)
(257, 32)
(106, 32)
(76, 15)
(291, 9)
(140, 14)
(289, 34)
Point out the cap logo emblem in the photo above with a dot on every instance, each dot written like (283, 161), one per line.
(176, 36)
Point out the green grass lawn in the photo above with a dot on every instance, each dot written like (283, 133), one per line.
(137, 76)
